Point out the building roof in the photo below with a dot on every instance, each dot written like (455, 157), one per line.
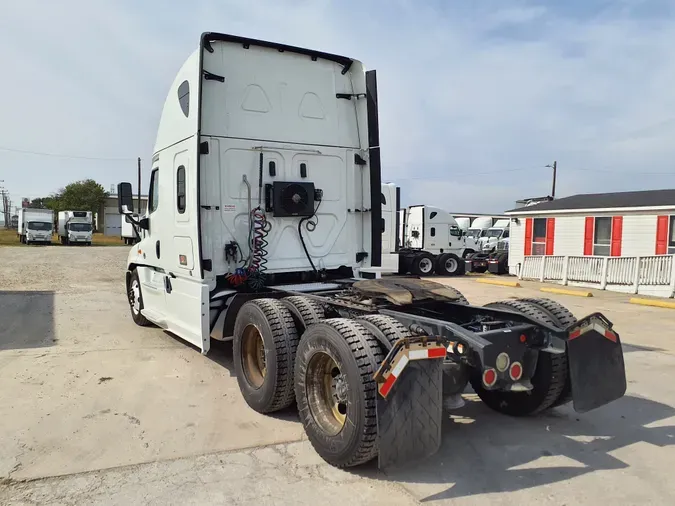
(603, 202)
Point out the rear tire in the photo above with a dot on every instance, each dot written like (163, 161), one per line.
(135, 298)
(564, 317)
(422, 264)
(336, 392)
(460, 296)
(449, 264)
(305, 311)
(265, 343)
(385, 328)
(548, 380)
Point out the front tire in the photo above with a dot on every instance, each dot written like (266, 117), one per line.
(548, 380)
(265, 343)
(336, 392)
(135, 298)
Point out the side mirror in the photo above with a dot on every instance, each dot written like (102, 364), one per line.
(125, 198)
(144, 223)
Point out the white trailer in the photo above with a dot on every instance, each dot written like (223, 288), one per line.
(264, 227)
(35, 225)
(129, 232)
(433, 242)
(75, 227)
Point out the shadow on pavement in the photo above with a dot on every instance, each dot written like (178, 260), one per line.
(484, 452)
(26, 320)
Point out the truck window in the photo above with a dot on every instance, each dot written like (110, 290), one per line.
(505, 234)
(184, 97)
(180, 189)
(456, 232)
(154, 191)
(433, 231)
(384, 200)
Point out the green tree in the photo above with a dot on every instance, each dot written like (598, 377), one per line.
(85, 195)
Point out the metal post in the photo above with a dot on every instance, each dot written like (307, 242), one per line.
(566, 266)
(672, 277)
(555, 166)
(139, 186)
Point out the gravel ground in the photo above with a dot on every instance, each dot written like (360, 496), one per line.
(96, 410)
(61, 269)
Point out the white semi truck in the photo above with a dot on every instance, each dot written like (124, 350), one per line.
(35, 226)
(75, 227)
(433, 242)
(497, 232)
(264, 228)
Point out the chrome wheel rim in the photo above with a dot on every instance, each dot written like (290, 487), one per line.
(426, 265)
(135, 297)
(327, 390)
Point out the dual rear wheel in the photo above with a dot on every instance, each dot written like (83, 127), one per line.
(328, 371)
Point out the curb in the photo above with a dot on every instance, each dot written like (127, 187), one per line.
(652, 302)
(499, 282)
(564, 291)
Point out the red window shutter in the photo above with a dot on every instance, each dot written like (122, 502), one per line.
(550, 235)
(528, 236)
(617, 231)
(588, 235)
(661, 235)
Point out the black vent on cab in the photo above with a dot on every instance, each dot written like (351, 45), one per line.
(290, 199)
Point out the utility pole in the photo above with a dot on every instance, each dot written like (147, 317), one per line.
(554, 167)
(139, 186)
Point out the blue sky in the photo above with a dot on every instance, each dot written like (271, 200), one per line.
(475, 97)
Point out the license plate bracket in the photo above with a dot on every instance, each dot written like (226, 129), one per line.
(596, 365)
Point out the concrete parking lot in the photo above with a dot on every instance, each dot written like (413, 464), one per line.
(96, 410)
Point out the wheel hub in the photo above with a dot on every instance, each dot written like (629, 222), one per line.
(425, 265)
(135, 297)
(451, 265)
(327, 393)
(253, 356)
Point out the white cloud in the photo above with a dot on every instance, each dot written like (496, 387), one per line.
(464, 90)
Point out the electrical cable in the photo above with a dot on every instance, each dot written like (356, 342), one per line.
(302, 239)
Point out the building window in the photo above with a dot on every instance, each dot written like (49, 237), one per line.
(180, 189)
(602, 236)
(154, 191)
(539, 236)
(184, 97)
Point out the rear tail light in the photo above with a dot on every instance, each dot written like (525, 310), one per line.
(516, 371)
(489, 377)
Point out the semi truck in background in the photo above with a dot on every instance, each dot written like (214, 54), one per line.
(497, 232)
(432, 241)
(35, 225)
(75, 227)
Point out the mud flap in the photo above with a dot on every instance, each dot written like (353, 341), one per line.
(596, 366)
(409, 418)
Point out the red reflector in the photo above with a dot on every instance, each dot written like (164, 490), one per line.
(436, 353)
(489, 377)
(575, 334)
(523, 338)
(384, 389)
(516, 371)
(610, 335)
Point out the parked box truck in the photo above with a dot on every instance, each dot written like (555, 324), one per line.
(35, 225)
(75, 227)
(129, 235)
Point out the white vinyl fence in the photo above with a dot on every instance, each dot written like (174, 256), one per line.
(651, 275)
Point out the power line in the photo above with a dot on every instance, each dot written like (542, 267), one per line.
(57, 155)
